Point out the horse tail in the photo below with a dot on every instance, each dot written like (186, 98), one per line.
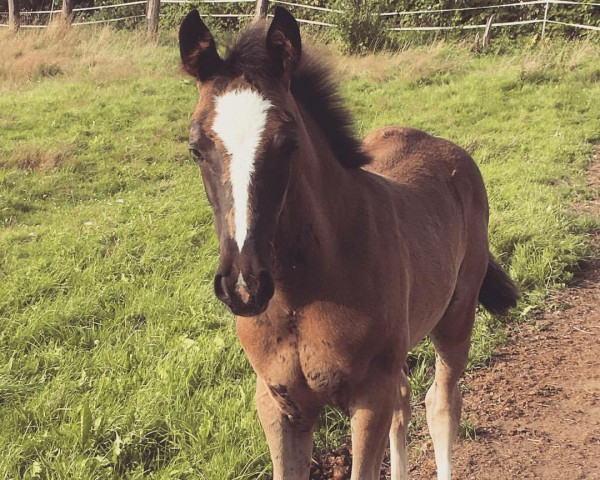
(498, 292)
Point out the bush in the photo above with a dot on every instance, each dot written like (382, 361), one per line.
(358, 28)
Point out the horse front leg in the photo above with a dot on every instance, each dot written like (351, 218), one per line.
(371, 411)
(290, 440)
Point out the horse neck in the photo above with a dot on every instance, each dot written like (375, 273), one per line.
(320, 204)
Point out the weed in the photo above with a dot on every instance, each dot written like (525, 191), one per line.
(467, 429)
(48, 70)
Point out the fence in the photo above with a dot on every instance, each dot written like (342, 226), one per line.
(153, 7)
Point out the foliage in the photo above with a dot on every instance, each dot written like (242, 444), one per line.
(171, 15)
(357, 27)
(116, 361)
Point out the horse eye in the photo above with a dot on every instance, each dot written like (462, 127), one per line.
(289, 146)
(196, 153)
(285, 144)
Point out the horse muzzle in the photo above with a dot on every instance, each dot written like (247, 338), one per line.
(246, 293)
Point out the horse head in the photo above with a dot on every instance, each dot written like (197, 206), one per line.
(243, 136)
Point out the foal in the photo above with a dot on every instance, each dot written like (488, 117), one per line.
(337, 257)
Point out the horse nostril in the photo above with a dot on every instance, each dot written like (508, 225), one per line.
(267, 286)
(219, 286)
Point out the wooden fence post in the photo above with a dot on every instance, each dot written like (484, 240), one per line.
(487, 34)
(545, 18)
(67, 11)
(262, 7)
(14, 17)
(152, 12)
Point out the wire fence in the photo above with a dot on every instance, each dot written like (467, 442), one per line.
(544, 16)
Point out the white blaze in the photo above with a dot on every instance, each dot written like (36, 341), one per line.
(239, 122)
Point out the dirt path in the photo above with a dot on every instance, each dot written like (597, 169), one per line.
(536, 409)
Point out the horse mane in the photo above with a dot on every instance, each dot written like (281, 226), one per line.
(312, 86)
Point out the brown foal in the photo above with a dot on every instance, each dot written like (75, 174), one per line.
(337, 256)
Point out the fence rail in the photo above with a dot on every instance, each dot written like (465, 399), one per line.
(545, 20)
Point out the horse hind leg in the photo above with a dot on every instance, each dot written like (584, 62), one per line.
(451, 339)
(400, 420)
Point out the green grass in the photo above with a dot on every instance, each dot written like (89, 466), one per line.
(116, 361)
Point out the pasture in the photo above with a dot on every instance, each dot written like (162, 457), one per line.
(116, 360)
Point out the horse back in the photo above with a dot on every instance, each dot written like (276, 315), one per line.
(405, 154)
(436, 169)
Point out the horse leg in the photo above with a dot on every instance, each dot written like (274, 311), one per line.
(400, 420)
(290, 441)
(451, 339)
(371, 410)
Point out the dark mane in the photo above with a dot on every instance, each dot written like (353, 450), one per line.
(311, 85)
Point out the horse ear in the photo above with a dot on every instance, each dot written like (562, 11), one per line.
(197, 47)
(283, 42)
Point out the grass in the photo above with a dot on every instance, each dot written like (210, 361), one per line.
(115, 359)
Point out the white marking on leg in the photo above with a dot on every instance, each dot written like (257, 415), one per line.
(443, 462)
(241, 116)
(442, 428)
(400, 422)
(397, 458)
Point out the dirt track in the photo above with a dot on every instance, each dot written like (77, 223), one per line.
(536, 409)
